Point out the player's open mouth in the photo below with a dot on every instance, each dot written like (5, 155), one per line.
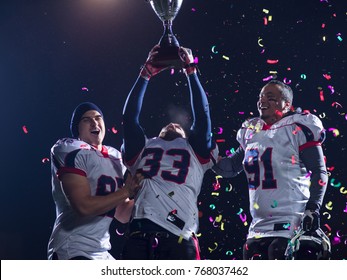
(263, 108)
(95, 132)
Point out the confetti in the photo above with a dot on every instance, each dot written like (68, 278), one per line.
(260, 40)
(329, 205)
(336, 105)
(114, 130)
(25, 130)
(343, 190)
(321, 95)
(275, 204)
(332, 183)
(268, 78)
(214, 49)
(212, 249)
(272, 61)
(335, 131)
(327, 214)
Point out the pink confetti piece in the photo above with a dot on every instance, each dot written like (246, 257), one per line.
(114, 130)
(321, 95)
(272, 61)
(265, 20)
(287, 81)
(327, 76)
(25, 129)
(267, 78)
(336, 104)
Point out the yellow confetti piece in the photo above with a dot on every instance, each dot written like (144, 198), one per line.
(218, 218)
(212, 249)
(329, 205)
(255, 206)
(180, 239)
(343, 191)
(225, 57)
(266, 11)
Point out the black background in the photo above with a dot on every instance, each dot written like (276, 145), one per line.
(56, 54)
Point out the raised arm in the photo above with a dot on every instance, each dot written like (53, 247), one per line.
(134, 137)
(200, 135)
(229, 167)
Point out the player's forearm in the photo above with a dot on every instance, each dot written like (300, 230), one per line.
(230, 167)
(134, 138)
(98, 205)
(199, 102)
(200, 139)
(133, 104)
(313, 160)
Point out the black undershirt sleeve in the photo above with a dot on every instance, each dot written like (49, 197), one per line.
(313, 159)
(229, 167)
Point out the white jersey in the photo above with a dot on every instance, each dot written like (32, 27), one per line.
(72, 234)
(278, 181)
(169, 198)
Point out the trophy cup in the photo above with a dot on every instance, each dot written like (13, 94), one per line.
(167, 10)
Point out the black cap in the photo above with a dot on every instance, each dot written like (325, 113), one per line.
(78, 113)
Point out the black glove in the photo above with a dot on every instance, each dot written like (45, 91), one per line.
(310, 221)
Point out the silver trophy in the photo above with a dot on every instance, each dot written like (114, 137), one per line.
(167, 10)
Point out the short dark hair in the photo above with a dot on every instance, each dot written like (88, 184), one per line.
(286, 91)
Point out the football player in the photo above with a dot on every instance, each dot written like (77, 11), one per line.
(165, 216)
(280, 152)
(87, 188)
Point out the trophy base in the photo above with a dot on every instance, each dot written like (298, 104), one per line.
(168, 57)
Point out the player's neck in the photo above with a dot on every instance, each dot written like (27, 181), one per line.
(271, 119)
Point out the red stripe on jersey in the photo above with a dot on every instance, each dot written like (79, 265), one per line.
(309, 144)
(73, 170)
(201, 159)
(266, 126)
(104, 152)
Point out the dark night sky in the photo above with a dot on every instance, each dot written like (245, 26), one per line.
(56, 54)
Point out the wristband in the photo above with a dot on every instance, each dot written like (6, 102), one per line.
(191, 68)
(145, 73)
